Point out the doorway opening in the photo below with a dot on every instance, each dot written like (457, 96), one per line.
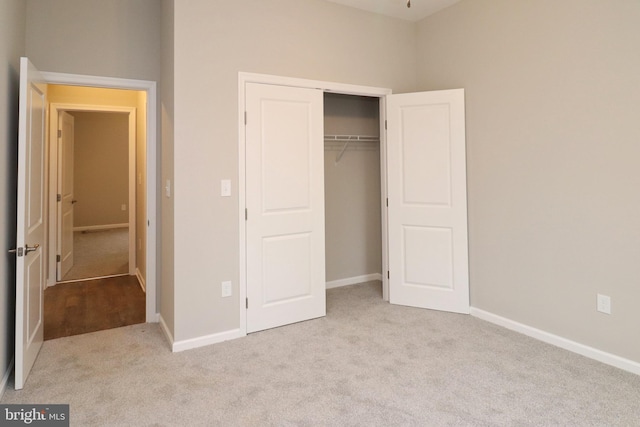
(97, 221)
(353, 192)
(135, 100)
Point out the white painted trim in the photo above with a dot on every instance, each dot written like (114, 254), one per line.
(141, 281)
(165, 329)
(101, 227)
(384, 194)
(150, 87)
(206, 340)
(353, 280)
(5, 378)
(242, 205)
(558, 341)
(341, 88)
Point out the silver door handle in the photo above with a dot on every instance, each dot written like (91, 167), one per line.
(25, 250)
(28, 248)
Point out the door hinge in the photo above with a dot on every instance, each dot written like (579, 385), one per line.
(59, 197)
(247, 302)
(387, 202)
(246, 214)
(388, 276)
(58, 258)
(59, 133)
(385, 125)
(245, 118)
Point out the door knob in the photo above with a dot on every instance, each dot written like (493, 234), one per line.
(73, 202)
(28, 248)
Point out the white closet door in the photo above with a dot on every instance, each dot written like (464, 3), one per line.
(428, 257)
(285, 205)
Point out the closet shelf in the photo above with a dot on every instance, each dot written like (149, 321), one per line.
(352, 138)
(347, 139)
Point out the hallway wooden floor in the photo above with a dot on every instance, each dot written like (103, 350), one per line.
(93, 305)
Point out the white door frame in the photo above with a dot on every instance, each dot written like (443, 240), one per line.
(55, 109)
(152, 314)
(340, 88)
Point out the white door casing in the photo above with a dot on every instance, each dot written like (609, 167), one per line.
(66, 201)
(31, 198)
(428, 255)
(285, 205)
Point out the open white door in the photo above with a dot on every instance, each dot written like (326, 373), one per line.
(285, 205)
(66, 201)
(428, 258)
(30, 239)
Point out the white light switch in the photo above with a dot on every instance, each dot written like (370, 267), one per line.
(226, 289)
(225, 188)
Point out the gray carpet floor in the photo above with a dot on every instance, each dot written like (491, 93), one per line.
(368, 363)
(99, 253)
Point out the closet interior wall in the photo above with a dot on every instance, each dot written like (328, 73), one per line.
(352, 190)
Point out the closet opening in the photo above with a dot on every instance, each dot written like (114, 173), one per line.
(353, 190)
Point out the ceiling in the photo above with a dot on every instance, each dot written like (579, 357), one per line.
(398, 8)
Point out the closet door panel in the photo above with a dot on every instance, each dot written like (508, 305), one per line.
(285, 204)
(428, 256)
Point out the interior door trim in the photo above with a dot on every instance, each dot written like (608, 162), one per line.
(150, 87)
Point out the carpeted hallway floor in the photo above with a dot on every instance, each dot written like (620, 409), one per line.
(368, 363)
(99, 253)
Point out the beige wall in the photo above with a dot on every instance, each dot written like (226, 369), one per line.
(115, 38)
(352, 189)
(12, 46)
(553, 143)
(101, 169)
(213, 42)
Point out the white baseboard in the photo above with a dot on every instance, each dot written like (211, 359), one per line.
(5, 378)
(100, 227)
(206, 340)
(143, 285)
(558, 341)
(353, 280)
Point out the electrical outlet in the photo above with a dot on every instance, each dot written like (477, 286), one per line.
(226, 289)
(604, 304)
(123, 207)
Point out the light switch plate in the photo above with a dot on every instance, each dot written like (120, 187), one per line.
(225, 188)
(226, 289)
